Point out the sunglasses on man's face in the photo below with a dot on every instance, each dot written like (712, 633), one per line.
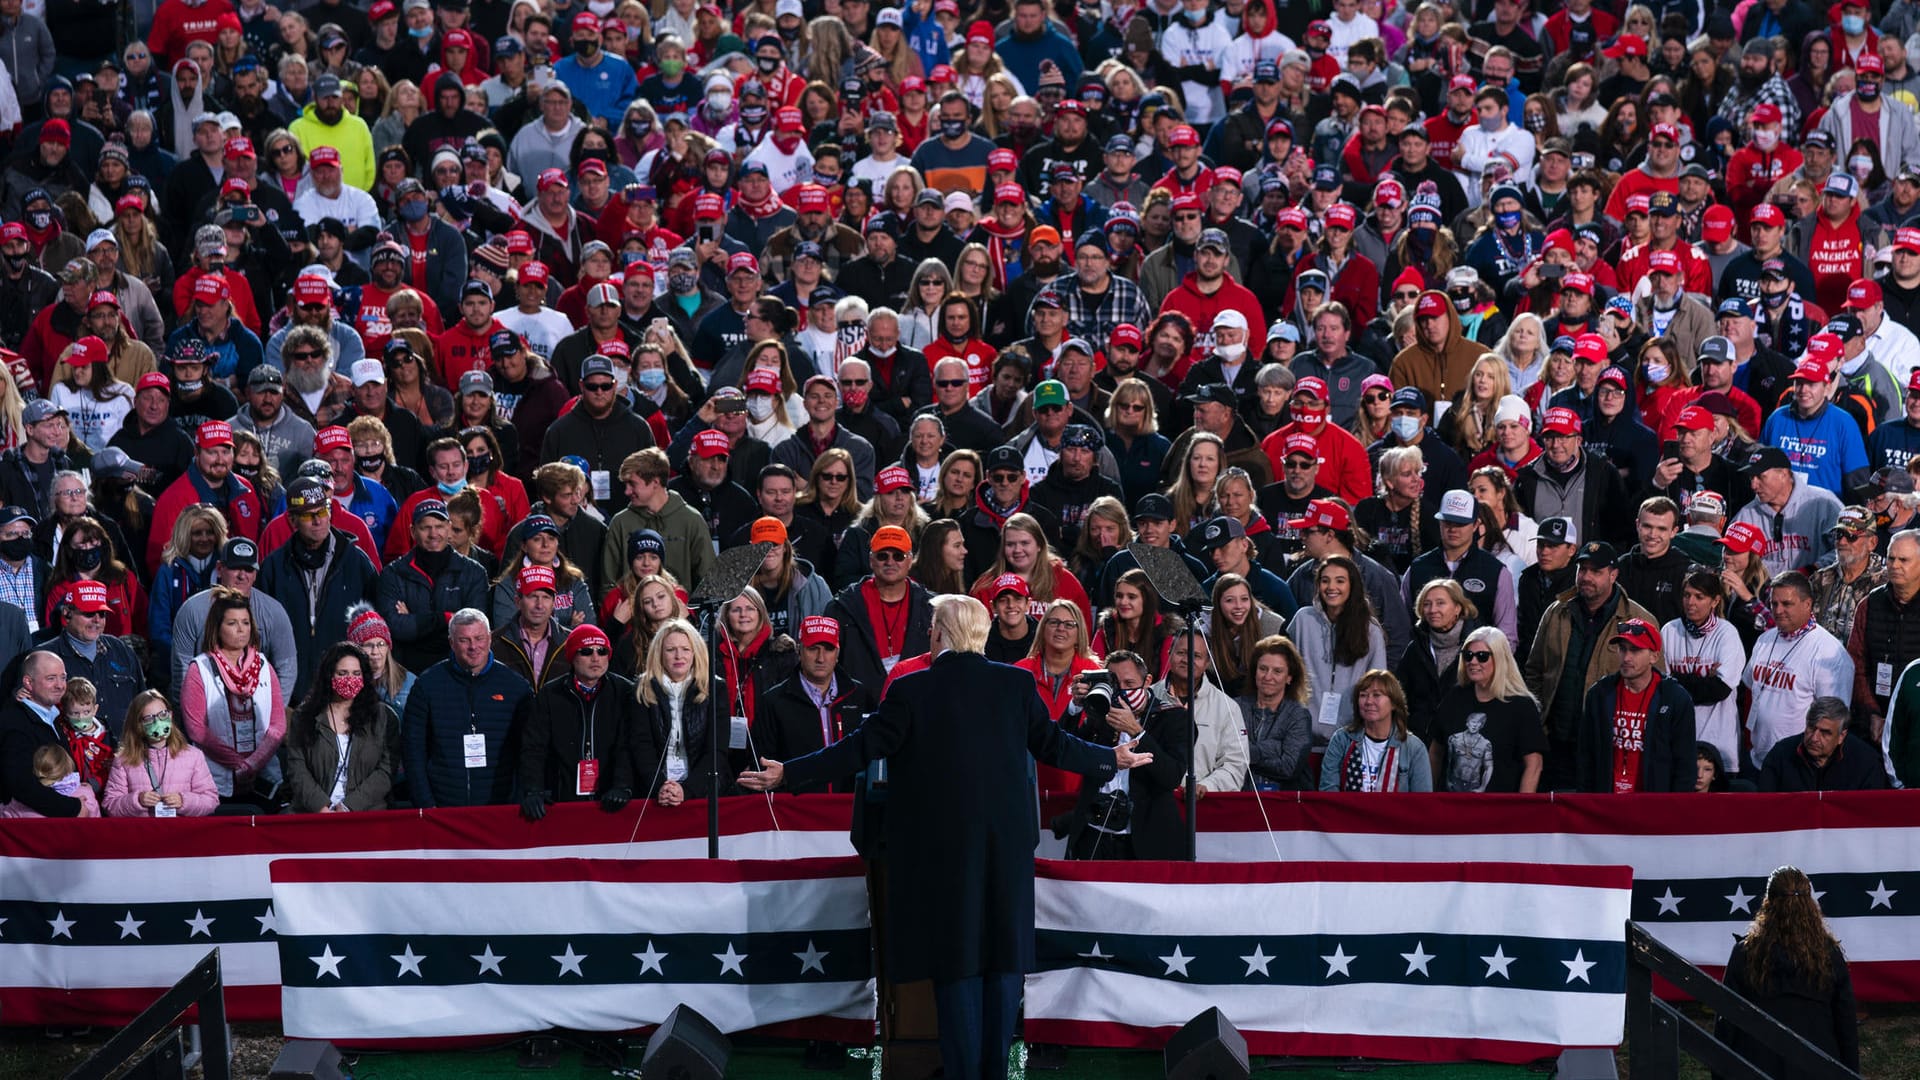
(594, 650)
(949, 384)
(889, 555)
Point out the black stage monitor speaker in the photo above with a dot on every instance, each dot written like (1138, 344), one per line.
(686, 1047)
(308, 1059)
(1208, 1048)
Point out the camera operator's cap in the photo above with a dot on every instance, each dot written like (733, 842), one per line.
(1326, 178)
(1853, 521)
(1010, 583)
(1765, 459)
(1578, 282)
(427, 508)
(479, 382)
(532, 579)
(212, 433)
(331, 438)
(1217, 393)
(1050, 393)
(1456, 508)
(891, 538)
(1005, 458)
(1863, 294)
(1637, 633)
(891, 478)
(306, 496)
(1887, 479)
(1218, 533)
(114, 461)
(1560, 422)
(1323, 514)
(821, 629)
(1744, 537)
(767, 530)
(362, 373)
(1557, 530)
(1841, 184)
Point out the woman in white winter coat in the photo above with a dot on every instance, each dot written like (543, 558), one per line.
(1705, 656)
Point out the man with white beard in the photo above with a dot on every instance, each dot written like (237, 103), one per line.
(328, 196)
(316, 391)
(311, 304)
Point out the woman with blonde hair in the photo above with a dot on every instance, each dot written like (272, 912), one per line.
(1468, 425)
(903, 185)
(753, 656)
(1374, 751)
(974, 63)
(403, 106)
(893, 504)
(142, 255)
(1002, 89)
(902, 62)
(774, 406)
(283, 162)
(1024, 552)
(654, 601)
(1133, 436)
(973, 276)
(1524, 348)
(832, 496)
(13, 430)
(683, 708)
(1486, 727)
(1192, 490)
(1059, 656)
(1749, 583)
(1791, 966)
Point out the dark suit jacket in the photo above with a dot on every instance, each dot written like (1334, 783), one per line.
(959, 738)
(1158, 828)
(22, 733)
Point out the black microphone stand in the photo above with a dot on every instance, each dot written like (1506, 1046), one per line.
(728, 579)
(1174, 583)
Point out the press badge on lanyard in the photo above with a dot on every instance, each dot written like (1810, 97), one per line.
(602, 482)
(586, 777)
(474, 745)
(1883, 679)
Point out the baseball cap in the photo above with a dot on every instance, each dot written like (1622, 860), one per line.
(891, 538)
(1152, 506)
(767, 530)
(478, 382)
(1853, 521)
(1456, 508)
(1638, 633)
(820, 629)
(214, 433)
(1693, 418)
(1863, 294)
(1218, 533)
(333, 437)
(534, 578)
(1323, 514)
(1766, 458)
(1744, 537)
(1560, 422)
(1557, 530)
(1597, 551)
(1891, 479)
(1010, 583)
(114, 461)
(367, 371)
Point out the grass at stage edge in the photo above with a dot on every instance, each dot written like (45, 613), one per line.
(1889, 1039)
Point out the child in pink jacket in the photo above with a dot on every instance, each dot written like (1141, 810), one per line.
(156, 771)
(54, 768)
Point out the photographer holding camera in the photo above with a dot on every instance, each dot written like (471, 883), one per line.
(1135, 814)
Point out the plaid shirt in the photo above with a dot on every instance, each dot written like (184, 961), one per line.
(1094, 317)
(18, 589)
(1736, 108)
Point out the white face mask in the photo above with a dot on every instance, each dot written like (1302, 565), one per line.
(759, 407)
(1766, 140)
(1657, 373)
(1231, 353)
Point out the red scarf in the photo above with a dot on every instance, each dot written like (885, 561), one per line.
(246, 680)
(889, 634)
(766, 209)
(736, 661)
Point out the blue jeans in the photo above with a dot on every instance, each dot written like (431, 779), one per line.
(976, 1025)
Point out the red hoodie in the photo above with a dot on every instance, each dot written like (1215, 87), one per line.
(177, 24)
(1833, 254)
(1752, 173)
(1200, 309)
(460, 350)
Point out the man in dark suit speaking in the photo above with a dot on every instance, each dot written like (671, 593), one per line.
(960, 836)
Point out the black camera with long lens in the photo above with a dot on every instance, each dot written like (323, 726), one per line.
(1101, 691)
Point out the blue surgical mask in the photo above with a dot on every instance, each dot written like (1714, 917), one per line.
(1509, 219)
(1854, 25)
(413, 210)
(1404, 427)
(420, 33)
(454, 488)
(651, 379)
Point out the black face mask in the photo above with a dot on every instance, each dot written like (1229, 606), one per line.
(768, 64)
(249, 473)
(369, 466)
(17, 549)
(88, 558)
(953, 129)
(479, 463)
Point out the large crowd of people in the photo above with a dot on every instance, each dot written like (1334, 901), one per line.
(1531, 390)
